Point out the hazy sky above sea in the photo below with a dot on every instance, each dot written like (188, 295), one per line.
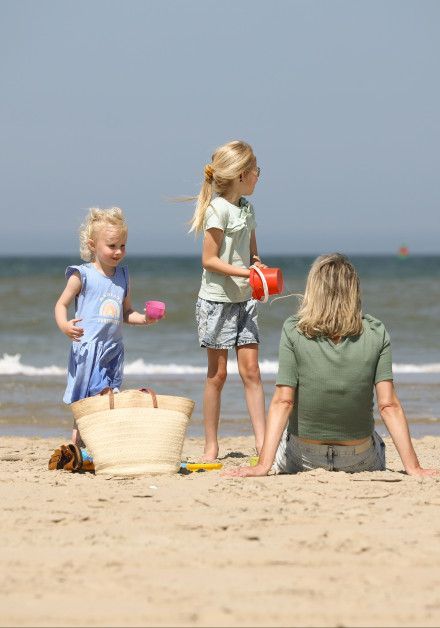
(109, 102)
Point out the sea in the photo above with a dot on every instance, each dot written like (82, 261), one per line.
(404, 292)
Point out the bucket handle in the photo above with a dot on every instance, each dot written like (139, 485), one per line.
(264, 282)
(111, 395)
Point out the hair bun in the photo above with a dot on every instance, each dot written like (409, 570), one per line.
(209, 173)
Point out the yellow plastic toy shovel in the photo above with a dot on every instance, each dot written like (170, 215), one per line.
(201, 466)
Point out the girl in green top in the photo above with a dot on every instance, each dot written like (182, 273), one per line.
(331, 360)
(225, 311)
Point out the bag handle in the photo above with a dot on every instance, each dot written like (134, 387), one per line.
(111, 395)
(151, 392)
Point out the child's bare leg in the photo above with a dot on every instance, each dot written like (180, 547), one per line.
(215, 379)
(247, 358)
(76, 437)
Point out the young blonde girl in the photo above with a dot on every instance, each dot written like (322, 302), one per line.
(225, 311)
(101, 290)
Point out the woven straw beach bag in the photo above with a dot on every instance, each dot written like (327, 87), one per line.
(133, 432)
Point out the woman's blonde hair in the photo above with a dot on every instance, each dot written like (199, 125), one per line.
(96, 219)
(331, 305)
(228, 162)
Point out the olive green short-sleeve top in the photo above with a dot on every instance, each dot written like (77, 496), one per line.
(334, 382)
(237, 223)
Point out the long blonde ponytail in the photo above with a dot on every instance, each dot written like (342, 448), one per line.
(228, 163)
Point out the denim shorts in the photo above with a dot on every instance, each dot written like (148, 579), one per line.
(293, 455)
(227, 325)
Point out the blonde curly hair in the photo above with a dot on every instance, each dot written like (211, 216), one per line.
(96, 219)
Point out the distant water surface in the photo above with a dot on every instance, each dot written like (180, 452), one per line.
(403, 293)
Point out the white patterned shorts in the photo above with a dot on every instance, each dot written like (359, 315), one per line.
(227, 325)
(293, 456)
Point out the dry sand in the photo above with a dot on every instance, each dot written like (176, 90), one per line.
(316, 549)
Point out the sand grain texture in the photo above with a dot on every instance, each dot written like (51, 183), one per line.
(316, 549)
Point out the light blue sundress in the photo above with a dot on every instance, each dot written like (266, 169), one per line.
(96, 360)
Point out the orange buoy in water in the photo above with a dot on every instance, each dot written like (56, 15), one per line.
(403, 251)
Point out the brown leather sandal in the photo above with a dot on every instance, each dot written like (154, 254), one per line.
(69, 458)
(75, 461)
(59, 458)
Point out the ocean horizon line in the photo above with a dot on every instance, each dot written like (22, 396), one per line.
(175, 255)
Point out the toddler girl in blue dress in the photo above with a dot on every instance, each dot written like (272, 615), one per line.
(101, 290)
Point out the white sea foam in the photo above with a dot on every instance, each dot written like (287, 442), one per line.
(417, 368)
(12, 365)
(139, 367)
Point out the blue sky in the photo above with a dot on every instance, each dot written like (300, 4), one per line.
(122, 103)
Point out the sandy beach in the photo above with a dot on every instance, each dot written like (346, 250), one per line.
(316, 549)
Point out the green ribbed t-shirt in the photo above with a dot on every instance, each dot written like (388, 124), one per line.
(334, 382)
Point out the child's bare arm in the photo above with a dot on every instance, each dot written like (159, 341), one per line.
(131, 316)
(71, 290)
(210, 256)
(255, 258)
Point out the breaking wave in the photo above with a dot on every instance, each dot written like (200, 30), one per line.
(12, 365)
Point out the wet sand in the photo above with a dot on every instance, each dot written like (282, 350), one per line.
(316, 549)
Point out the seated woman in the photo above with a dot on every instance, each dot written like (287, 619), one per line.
(331, 358)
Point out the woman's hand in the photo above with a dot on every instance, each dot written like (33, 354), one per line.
(396, 423)
(72, 331)
(279, 410)
(246, 472)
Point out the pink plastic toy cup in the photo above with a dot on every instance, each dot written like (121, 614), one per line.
(155, 309)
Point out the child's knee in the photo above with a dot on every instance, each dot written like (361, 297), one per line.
(250, 374)
(217, 378)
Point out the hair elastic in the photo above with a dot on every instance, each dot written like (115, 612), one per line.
(209, 173)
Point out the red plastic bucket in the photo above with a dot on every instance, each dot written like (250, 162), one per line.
(265, 281)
